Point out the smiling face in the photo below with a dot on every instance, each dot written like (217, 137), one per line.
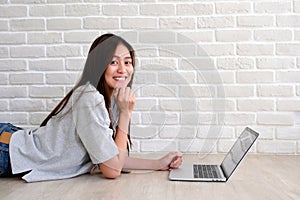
(119, 72)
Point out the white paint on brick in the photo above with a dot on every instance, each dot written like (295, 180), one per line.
(196, 61)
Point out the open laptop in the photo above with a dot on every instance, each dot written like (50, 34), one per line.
(201, 172)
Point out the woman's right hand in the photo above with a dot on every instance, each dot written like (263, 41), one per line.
(125, 100)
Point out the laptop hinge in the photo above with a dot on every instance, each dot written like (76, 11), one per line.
(221, 166)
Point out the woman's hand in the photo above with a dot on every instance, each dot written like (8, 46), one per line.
(172, 160)
(125, 100)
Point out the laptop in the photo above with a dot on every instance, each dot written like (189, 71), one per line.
(217, 173)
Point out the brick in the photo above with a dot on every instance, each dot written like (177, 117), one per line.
(177, 77)
(211, 132)
(177, 50)
(178, 104)
(288, 76)
(238, 91)
(239, 119)
(145, 104)
(215, 22)
(4, 79)
(61, 78)
(154, 37)
(215, 77)
(46, 91)
(27, 52)
(158, 91)
(275, 90)
(46, 65)
(3, 105)
(16, 118)
(157, 9)
(27, 24)
(216, 105)
(63, 24)
(273, 35)
(82, 9)
(100, 23)
(12, 38)
(288, 49)
(46, 10)
(233, 35)
(255, 21)
(183, 132)
(80, 37)
(276, 146)
(13, 11)
(272, 7)
(297, 34)
(288, 133)
(29, 1)
(13, 91)
(255, 105)
(143, 132)
(63, 51)
(177, 23)
(233, 7)
(13, 65)
(195, 9)
(26, 78)
(254, 49)
(198, 145)
(3, 25)
(297, 10)
(3, 52)
(159, 64)
(275, 119)
(288, 21)
(196, 91)
(255, 77)
(195, 36)
(235, 63)
(158, 145)
(76, 64)
(159, 118)
(139, 23)
(275, 63)
(120, 10)
(288, 105)
(196, 64)
(145, 78)
(216, 49)
(27, 105)
(194, 119)
(44, 38)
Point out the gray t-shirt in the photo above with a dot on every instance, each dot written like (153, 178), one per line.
(71, 142)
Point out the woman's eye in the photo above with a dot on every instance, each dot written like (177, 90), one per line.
(128, 62)
(114, 62)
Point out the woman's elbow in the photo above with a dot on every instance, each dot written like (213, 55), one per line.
(109, 173)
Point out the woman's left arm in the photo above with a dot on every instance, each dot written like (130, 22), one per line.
(171, 160)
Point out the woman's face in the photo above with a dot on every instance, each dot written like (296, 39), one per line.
(119, 72)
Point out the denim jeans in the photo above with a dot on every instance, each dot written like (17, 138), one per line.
(5, 168)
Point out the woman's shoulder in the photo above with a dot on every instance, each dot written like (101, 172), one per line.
(88, 93)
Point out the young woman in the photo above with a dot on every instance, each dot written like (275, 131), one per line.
(89, 127)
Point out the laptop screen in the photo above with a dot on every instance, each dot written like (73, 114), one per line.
(238, 151)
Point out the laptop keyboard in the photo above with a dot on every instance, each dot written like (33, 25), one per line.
(205, 171)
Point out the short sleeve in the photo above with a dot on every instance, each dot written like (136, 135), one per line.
(93, 125)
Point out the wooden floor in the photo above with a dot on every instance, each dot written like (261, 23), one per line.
(258, 177)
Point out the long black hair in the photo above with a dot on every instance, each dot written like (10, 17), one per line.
(100, 55)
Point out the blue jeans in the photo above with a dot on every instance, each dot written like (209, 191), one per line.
(5, 129)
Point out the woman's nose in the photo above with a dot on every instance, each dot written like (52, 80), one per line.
(121, 67)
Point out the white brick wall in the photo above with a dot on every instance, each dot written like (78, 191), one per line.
(200, 65)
